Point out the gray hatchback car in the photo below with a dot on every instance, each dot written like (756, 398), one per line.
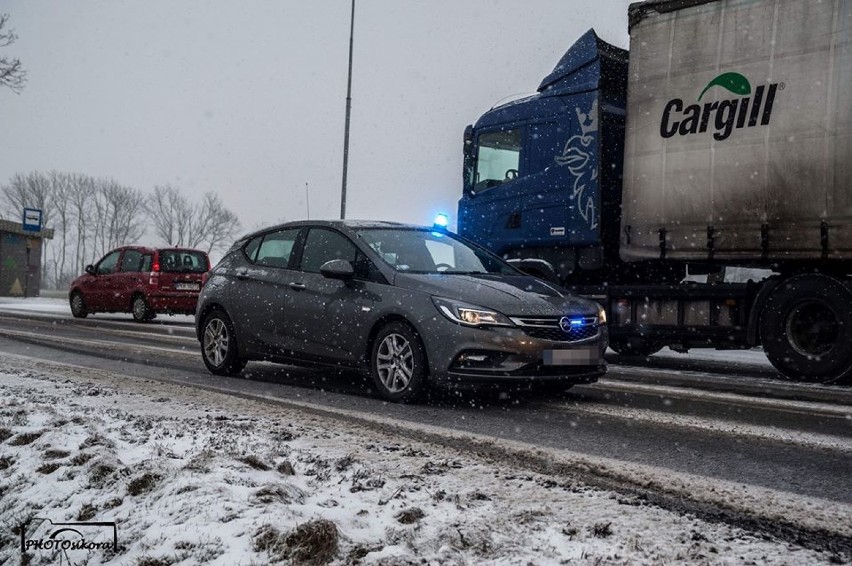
(410, 305)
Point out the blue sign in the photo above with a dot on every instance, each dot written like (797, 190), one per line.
(32, 219)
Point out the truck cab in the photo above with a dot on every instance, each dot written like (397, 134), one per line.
(542, 175)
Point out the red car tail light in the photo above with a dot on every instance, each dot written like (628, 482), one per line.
(154, 276)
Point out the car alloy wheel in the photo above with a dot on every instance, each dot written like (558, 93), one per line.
(216, 341)
(395, 363)
(219, 345)
(398, 363)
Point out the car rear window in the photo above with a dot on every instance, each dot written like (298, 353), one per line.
(183, 261)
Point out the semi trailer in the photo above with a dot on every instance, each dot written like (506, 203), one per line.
(722, 138)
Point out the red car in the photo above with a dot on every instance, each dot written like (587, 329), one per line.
(142, 281)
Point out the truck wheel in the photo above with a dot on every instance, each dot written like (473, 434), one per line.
(638, 347)
(806, 328)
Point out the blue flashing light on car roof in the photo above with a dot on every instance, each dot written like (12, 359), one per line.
(441, 221)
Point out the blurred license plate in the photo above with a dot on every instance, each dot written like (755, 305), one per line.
(187, 286)
(575, 357)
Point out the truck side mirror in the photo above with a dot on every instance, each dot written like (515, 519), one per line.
(90, 269)
(468, 141)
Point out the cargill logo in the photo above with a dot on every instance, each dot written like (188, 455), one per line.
(747, 111)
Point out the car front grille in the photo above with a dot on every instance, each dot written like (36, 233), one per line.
(548, 328)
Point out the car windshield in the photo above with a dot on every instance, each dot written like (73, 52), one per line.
(426, 251)
(183, 261)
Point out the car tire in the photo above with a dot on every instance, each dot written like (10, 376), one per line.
(634, 347)
(78, 305)
(219, 348)
(141, 311)
(806, 329)
(398, 363)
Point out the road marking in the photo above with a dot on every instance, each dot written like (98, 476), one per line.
(680, 420)
(808, 407)
(92, 342)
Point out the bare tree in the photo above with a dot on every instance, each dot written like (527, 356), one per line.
(33, 190)
(60, 191)
(171, 214)
(12, 73)
(206, 225)
(120, 211)
(218, 224)
(81, 195)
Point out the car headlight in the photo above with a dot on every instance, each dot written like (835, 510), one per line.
(601, 315)
(470, 315)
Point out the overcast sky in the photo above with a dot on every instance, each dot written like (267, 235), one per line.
(247, 99)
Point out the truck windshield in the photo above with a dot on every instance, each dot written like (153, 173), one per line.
(498, 159)
(424, 251)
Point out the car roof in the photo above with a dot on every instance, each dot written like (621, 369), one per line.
(148, 249)
(338, 224)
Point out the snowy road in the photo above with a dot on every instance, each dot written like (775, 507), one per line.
(742, 426)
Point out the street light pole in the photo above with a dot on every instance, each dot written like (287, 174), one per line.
(348, 112)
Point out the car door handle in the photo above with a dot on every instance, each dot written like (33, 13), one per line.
(242, 274)
(298, 286)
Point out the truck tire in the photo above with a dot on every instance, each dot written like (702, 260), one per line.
(634, 346)
(806, 328)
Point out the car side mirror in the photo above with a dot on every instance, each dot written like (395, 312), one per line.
(338, 269)
(90, 269)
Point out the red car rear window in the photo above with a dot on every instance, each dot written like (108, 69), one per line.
(183, 261)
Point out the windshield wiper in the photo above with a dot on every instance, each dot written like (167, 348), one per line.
(449, 272)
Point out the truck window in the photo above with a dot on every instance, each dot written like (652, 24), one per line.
(498, 159)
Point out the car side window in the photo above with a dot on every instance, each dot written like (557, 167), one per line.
(276, 248)
(109, 263)
(131, 261)
(145, 264)
(322, 246)
(366, 270)
(250, 249)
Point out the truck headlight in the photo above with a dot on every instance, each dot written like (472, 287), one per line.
(470, 315)
(601, 315)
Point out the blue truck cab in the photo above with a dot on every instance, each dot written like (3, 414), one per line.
(542, 175)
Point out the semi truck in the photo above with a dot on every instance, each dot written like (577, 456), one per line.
(722, 138)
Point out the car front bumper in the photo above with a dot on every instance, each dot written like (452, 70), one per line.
(461, 356)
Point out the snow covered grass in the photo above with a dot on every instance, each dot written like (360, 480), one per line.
(194, 477)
